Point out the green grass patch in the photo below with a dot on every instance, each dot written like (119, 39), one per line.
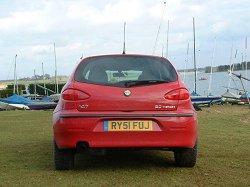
(223, 159)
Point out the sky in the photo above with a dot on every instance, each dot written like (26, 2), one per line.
(88, 28)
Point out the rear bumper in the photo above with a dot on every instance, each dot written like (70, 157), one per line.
(170, 130)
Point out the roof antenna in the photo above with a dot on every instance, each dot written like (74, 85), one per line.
(124, 39)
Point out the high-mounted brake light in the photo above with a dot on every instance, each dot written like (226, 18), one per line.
(74, 95)
(180, 94)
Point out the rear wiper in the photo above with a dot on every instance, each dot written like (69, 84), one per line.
(128, 84)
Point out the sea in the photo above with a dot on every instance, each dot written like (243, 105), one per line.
(219, 82)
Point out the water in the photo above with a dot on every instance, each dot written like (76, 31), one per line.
(219, 84)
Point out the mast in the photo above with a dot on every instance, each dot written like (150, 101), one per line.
(186, 61)
(45, 91)
(195, 70)
(230, 67)
(211, 71)
(246, 59)
(124, 38)
(35, 83)
(157, 35)
(167, 41)
(56, 81)
(14, 89)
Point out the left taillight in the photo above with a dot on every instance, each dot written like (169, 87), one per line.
(180, 94)
(74, 95)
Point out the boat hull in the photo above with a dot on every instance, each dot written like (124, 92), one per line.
(42, 105)
(206, 99)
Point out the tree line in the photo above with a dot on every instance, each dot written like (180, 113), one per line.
(235, 67)
(9, 90)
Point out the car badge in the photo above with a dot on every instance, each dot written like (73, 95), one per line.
(127, 93)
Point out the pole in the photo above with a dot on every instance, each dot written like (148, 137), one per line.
(14, 89)
(124, 38)
(211, 71)
(230, 67)
(184, 76)
(167, 41)
(35, 84)
(246, 58)
(17, 91)
(45, 91)
(195, 70)
(56, 81)
(157, 35)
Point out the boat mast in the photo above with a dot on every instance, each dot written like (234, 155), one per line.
(35, 83)
(246, 59)
(124, 38)
(56, 81)
(167, 41)
(159, 28)
(186, 61)
(45, 91)
(14, 89)
(211, 71)
(195, 70)
(230, 67)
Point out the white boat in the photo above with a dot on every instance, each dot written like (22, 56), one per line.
(230, 97)
(15, 102)
(19, 106)
(6, 106)
(9, 106)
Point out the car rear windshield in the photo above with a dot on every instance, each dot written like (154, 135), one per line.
(125, 71)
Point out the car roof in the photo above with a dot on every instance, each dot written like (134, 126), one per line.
(125, 55)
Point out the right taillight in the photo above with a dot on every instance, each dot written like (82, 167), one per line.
(74, 95)
(180, 94)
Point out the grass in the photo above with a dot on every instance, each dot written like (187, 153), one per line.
(223, 160)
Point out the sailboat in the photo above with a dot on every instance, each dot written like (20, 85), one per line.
(228, 96)
(244, 98)
(56, 96)
(15, 101)
(41, 104)
(48, 102)
(6, 106)
(195, 97)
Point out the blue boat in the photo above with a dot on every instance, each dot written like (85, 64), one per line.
(42, 105)
(205, 100)
(15, 102)
(25, 103)
(16, 99)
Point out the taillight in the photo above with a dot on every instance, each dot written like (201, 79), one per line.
(180, 94)
(74, 95)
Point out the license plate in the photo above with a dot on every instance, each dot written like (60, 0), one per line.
(132, 125)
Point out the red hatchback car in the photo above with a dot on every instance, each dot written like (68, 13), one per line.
(124, 101)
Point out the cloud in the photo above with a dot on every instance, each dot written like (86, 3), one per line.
(28, 21)
(29, 28)
(111, 13)
(219, 26)
(40, 49)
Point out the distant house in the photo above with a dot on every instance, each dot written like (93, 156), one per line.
(3, 86)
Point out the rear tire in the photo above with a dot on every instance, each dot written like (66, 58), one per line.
(186, 157)
(63, 158)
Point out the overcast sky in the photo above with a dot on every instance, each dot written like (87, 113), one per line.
(86, 27)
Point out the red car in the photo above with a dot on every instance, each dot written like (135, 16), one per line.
(124, 101)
